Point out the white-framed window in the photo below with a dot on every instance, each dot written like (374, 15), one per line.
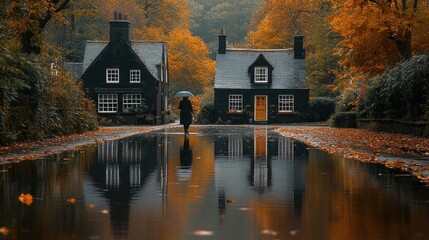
(131, 101)
(286, 103)
(134, 76)
(107, 103)
(235, 103)
(261, 74)
(112, 75)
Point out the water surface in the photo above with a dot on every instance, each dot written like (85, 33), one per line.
(219, 183)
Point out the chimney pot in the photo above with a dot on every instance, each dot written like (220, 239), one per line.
(115, 15)
(120, 16)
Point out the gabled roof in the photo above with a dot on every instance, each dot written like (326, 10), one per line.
(232, 69)
(150, 53)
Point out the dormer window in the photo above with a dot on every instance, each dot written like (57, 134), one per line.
(261, 74)
(112, 75)
(261, 71)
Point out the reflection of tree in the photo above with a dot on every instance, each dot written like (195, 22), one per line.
(120, 171)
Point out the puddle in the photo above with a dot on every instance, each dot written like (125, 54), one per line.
(226, 182)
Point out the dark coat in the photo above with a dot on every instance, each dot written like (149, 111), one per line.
(186, 111)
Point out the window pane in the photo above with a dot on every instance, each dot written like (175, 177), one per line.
(235, 103)
(107, 103)
(112, 75)
(261, 74)
(134, 76)
(286, 103)
(131, 101)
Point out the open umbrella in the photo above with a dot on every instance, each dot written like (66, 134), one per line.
(183, 94)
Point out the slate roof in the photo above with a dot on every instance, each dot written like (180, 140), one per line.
(232, 69)
(149, 52)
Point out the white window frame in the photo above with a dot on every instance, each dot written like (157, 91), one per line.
(112, 75)
(286, 103)
(261, 74)
(235, 103)
(135, 75)
(131, 100)
(107, 103)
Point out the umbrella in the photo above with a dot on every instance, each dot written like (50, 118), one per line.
(183, 94)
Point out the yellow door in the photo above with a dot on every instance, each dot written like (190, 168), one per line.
(260, 108)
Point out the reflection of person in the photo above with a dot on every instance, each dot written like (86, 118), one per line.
(186, 154)
(186, 111)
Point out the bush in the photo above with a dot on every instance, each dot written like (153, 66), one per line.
(401, 92)
(320, 109)
(343, 120)
(206, 115)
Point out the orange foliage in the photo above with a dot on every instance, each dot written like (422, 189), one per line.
(278, 21)
(377, 34)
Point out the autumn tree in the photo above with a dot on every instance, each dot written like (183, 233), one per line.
(27, 20)
(275, 24)
(379, 33)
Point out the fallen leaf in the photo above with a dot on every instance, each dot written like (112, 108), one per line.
(229, 201)
(26, 199)
(71, 200)
(4, 230)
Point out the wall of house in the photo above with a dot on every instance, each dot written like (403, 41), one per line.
(301, 97)
(120, 55)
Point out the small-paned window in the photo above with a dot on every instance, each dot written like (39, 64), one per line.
(286, 103)
(107, 103)
(134, 76)
(261, 74)
(235, 103)
(112, 75)
(131, 101)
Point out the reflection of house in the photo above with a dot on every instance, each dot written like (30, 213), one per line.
(120, 171)
(123, 75)
(267, 84)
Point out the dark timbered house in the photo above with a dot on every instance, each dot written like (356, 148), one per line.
(127, 80)
(260, 85)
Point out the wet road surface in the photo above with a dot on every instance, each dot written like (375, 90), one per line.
(225, 182)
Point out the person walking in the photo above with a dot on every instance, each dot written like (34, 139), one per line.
(186, 112)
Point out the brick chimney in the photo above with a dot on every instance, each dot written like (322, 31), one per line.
(298, 47)
(120, 28)
(222, 42)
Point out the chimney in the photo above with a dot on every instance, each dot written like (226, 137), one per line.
(120, 28)
(222, 42)
(298, 47)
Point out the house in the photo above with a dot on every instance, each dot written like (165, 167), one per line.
(264, 85)
(128, 80)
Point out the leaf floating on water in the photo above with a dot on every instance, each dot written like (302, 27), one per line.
(269, 232)
(5, 231)
(229, 201)
(91, 205)
(26, 199)
(203, 233)
(71, 200)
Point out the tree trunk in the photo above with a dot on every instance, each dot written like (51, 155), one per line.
(404, 45)
(28, 44)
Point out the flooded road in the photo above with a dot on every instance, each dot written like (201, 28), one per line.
(224, 182)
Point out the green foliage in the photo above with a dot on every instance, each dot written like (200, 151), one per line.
(208, 17)
(344, 120)
(401, 92)
(320, 109)
(207, 114)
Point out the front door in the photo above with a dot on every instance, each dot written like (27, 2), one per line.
(260, 108)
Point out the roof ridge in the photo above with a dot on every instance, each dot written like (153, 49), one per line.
(260, 50)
